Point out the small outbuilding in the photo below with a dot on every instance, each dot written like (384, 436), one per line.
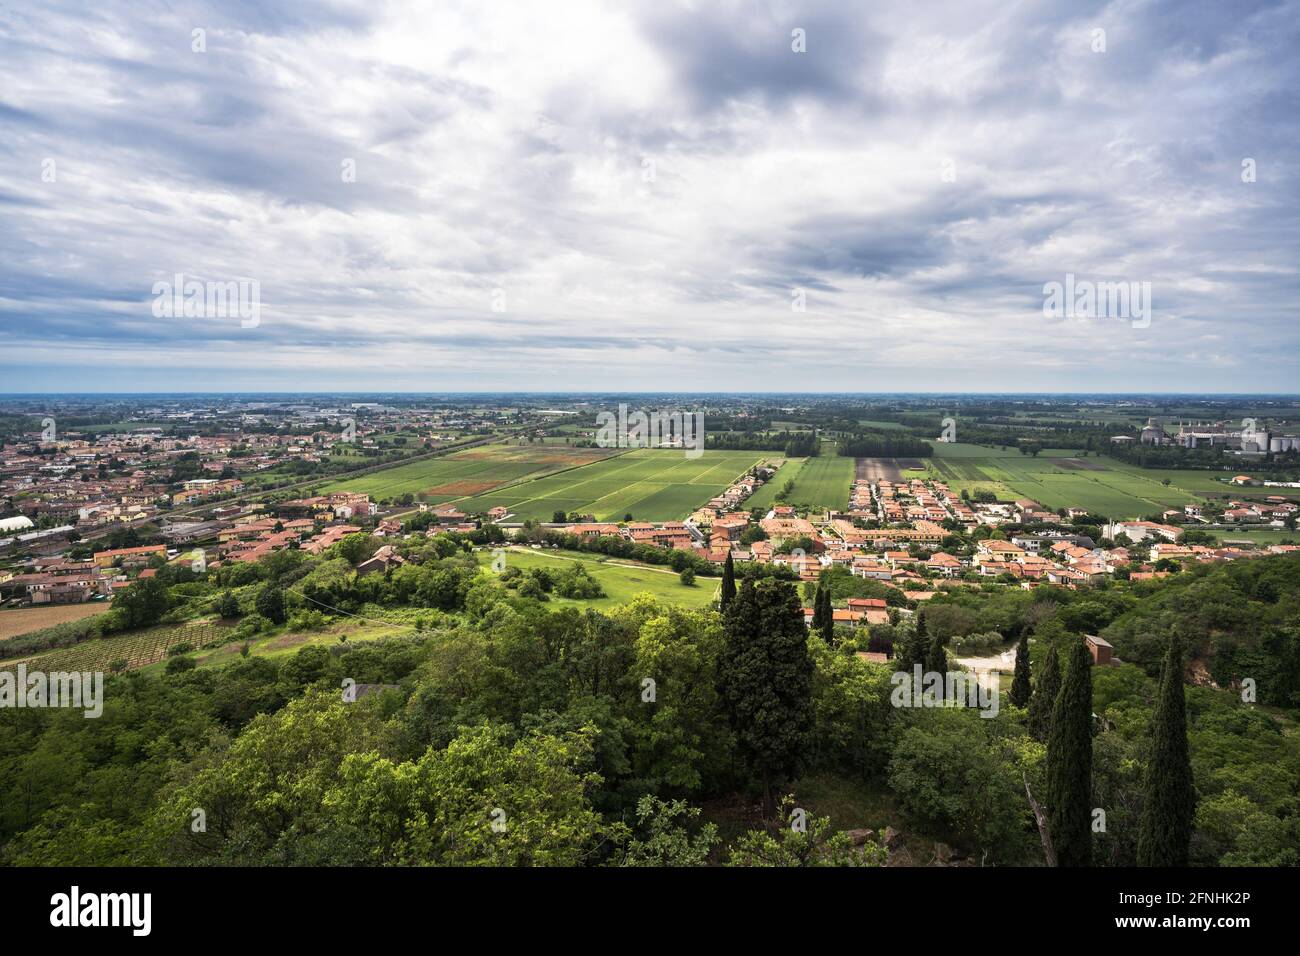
(1099, 648)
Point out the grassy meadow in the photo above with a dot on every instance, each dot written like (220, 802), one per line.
(622, 580)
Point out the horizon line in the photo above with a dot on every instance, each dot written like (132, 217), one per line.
(206, 392)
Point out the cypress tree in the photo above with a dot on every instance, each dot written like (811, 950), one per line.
(936, 661)
(765, 677)
(819, 608)
(728, 582)
(828, 614)
(1069, 761)
(936, 658)
(1044, 695)
(1170, 799)
(913, 647)
(1020, 686)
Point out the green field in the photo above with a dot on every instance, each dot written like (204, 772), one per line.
(819, 483)
(469, 472)
(824, 482)
(1259, 536)
(650, 484)
(964, 450)
(621, 580)
(765, 497)
(1057, 480)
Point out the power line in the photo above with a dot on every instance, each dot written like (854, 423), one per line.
(359, 617)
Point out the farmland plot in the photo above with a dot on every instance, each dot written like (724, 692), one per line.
(650, 484)
(473, 471)
(136, 649)
(1101, 485)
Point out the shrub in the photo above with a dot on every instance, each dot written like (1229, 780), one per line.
(577, 582)
(270, 603)
(177, 665)
(984, 643)
(530, 587)
(308, 620)
(252, 624)
(228, 606)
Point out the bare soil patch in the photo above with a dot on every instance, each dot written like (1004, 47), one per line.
(462, 488)
(877, 469)
(18, 621)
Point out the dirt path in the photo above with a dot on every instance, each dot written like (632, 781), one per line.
(1004, 662)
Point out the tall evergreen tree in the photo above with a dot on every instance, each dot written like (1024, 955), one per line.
(936, 661)
(936, 655)
(912, 648)
(1170, 798)
(819, 608)
(828, 614)
(1069, 761)
(728, 582)
(1044, 695)
(1020, 686)
(765, 676)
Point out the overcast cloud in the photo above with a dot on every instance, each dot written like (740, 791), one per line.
(579, 196)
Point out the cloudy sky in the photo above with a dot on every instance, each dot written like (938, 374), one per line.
(628, 195)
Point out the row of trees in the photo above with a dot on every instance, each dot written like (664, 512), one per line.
(885, 445)
(1066, 715)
